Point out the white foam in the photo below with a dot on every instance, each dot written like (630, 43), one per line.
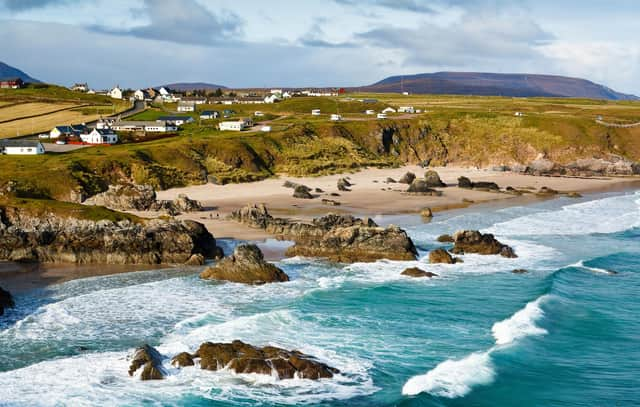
(453, 378)
(520, 324)
(581, 264)
(607, 215)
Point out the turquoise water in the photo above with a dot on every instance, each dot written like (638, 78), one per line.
(565, 334)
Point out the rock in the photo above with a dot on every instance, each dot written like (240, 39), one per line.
(290, 184)
(432, 178)
(195, 260)
(519, 271)
(319, 190)
(51, 238)
(464, 182)
(245, 265)
(419, 186)
(334, 194)
(541, 166)
(445, 239)
(407, 178)
(302, 192)
(440, 256)
(336, 237)
(426, 213)
(183, 359)
(417, 273)
(183, 204)
(150, 360)
(244, 358)
(547, 191)
(6, 300)
(472, 241)
(574, 195)
(343, 185)
(390, 180)
(330, 202)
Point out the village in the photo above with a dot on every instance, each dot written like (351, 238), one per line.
(181, 108)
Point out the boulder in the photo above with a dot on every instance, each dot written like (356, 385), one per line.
(574, 195)
(183, 359)
(244, 358)
(418, 273)
(407, 178)
(390, 180)
(541, 166)
(519, 271)
(150, 360)
(343, 185)
(426, 213)
(472, 241)
(440, 256)
(183, 204)
(547, 191)
(445, 239)
(6, 300)
(302, 192)
(246, 265)
(330, 202)
(464, 182)
(419, 186)
(432, 178)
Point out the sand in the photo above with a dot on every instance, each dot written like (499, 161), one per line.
(369, 196)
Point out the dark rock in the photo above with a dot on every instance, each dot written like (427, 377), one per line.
(343, 185)
(245, 265)
(445, 239)
(330, 202)
(150, 360)
(244, 358)
(319, 191)
(390, 180)
(302, 192)
(418, 273)
(6, 300)
(183, 359)
(432, 178)
(334, 194)
(407, 178)
(290, 184)
(419, 186)
(472, 241)
(440, 256)
(519, 271)
(547, 191)
(464, 182)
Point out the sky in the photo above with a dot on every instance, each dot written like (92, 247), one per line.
(297, 43)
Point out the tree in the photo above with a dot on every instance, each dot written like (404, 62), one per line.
(218, 93)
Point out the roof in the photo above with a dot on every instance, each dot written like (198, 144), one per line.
(174, 118)
(139, 123)
(206, 112)
(104, 131)
(71, 129)
(20, 143)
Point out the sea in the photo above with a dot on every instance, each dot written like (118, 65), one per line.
(566, 333)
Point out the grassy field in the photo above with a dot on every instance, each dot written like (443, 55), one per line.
(479, 131)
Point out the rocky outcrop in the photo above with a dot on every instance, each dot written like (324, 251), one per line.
(330, 202)
(57, 239)
(133, 197)
(246, 265)
(472, 241)
(302, 192)
(341, 238)
(344, 185)
(426, 213)
(6, 300)
(407, 178)
(584, 167)
(445, 239)
(519, 271)
(150, 360)
(464, 182)
(420, 187)
(418, 273)
(432, 178)
(440, 256)
(183, 359)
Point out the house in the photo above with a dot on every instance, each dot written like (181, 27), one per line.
(11, 83)
(177, 120)
(389, 110)
(115, 93)
(250, 100)
(370, 111)
(148, 126)
(164, 92)
(141, 94)
(186, 107)
(236, 125)
(382, 115)
(272, 99)
(196, 100)
(209, 114)
(315, 112)
(405, 93)
(336, 118)
(406, 109)
(68, 131)
(105, 123)
(80, 87)
(100, 136)
(21, 147)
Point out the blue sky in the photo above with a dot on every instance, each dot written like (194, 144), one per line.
(250, 43)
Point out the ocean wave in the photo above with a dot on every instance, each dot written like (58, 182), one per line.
(581, 265)
(456, 378)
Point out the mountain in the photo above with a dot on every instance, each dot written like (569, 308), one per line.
(7, 71)
(189, 86)
(495, 84)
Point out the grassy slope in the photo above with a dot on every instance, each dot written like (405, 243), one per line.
(43, 207)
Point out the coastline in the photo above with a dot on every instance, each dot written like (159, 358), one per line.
(366, 199)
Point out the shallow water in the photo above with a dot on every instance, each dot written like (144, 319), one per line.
(566, 333)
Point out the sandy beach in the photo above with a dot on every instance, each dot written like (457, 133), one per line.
(370, 195)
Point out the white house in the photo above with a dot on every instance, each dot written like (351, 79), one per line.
(141, 95)
(209, 114)
(163, 92)
(177, 120)
(336, 117)
(100, 136)
(405, 93)
(115, 93)
(406, 109)
(389, 110)
(21, 147)
(370, 112)
(382, 115)
(236, 125)
(80, 87)
(276, 91)
(315, 112)
(67, 131)
(186, 107)
(149, 126)
(272, 99)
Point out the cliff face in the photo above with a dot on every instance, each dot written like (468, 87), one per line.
(51, 238)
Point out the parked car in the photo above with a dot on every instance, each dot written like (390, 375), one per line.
(61, 142)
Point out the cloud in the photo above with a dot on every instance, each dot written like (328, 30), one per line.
(316, 37)
(416, 6)
(184, 22)
(23, 5)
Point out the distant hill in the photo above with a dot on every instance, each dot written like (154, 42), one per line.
(494, 84)
(189, 86)
(7, 71)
